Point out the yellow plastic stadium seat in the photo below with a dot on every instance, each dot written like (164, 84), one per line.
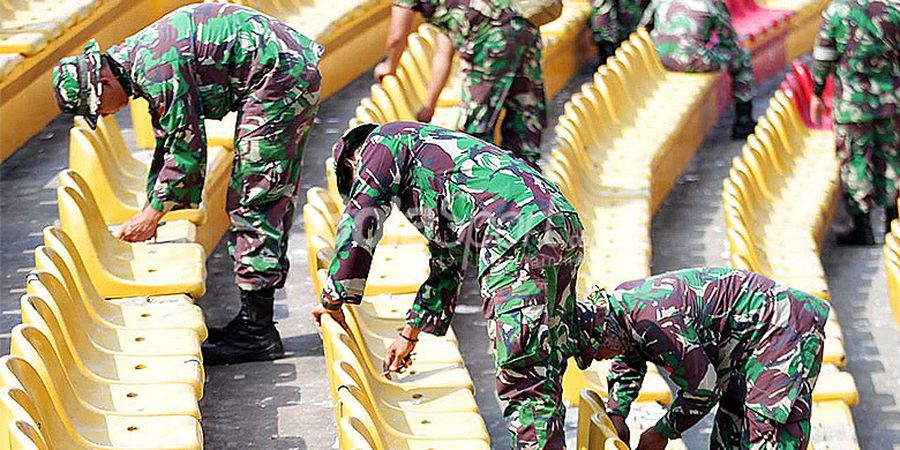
(654, 388)
(430, 350)
(178, 313)
(69, 424)
(356, 419)
(76, 350)
(24, 436)
(339, 345)
(25, 43)
(35, 347)
(19, 430)
(831, 426)
(121, 269)
(122, 192)
(71, 314)
(168, 230)
(220, 133)
(424, 424)
(8, 62)
(111, 136)
(594, 426)
(97, 399)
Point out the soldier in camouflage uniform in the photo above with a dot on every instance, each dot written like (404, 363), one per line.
(725, 336)
(501, 68)
(201, 62)
(683, 32)
(476, 205)
(860, 42)
(612, 21)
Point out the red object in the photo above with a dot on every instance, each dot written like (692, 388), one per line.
(751, 20)
(791, 87)
(805, 79)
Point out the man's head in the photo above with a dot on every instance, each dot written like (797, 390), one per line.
(85, 85)
(345, 153)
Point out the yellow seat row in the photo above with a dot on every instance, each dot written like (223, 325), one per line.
(779, 200)
(27, 27)
(892, 267)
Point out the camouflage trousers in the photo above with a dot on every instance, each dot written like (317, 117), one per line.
(529, 299)
(767, 402)
(504, 74)
(613, 20)
(272, 128)
(870, 162)
(737, 62)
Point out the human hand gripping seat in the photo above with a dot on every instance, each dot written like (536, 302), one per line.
(171, 230)
(122, 269)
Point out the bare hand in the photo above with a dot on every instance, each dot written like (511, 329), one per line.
(621, 427)
(652, 440)
(382, 69)
(140, 227)
(816, 108)
(397, 356)
(318, 311)
(425, 114)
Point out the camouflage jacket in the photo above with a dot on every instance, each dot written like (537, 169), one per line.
(702, 326)
(683, 30)
(471, 200)
(613, 20)
(860, 41)
(199, 62)
(466, 22)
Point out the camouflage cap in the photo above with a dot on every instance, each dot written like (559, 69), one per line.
(76, 83)
(343, 148)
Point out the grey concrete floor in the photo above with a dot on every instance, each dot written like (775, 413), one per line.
(285, 404)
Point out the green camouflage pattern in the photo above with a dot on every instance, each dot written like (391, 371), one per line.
(683, 32)
(529, 304)
(477, 205)
(76, 83)
(870, 162)
(464, 21)
(201, 62)
(504, 74)
(725, 336)
(860, 41)
(613, 20)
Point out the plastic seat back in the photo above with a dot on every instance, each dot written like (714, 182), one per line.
(60, 258)
(87, 157)
(383, 102)
(21, 420)
(354, 434)
(111, 135)
(400, 99)
(54, 414)
(24, 436)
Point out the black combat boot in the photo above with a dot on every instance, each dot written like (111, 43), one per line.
(860, 234)
(890, 214)
(744, 123)
(605, 49)
(250, 336)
